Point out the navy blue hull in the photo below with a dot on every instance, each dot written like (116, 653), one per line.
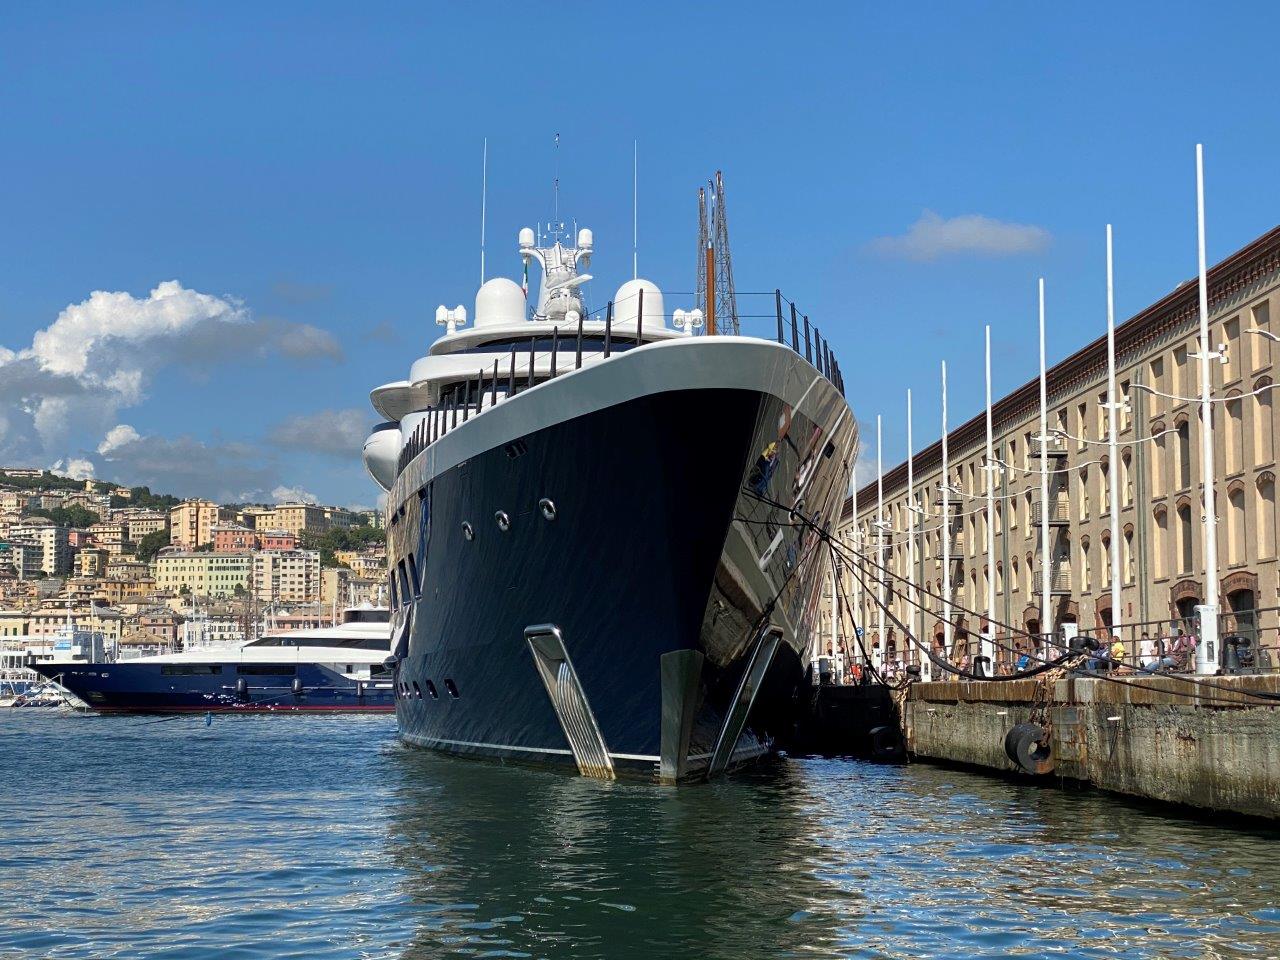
(142, 687)
(659, 540)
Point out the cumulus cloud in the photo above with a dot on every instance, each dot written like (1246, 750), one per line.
(972, 234)
(117, 437)
(101, 355)
(75, 467)
(283, 494)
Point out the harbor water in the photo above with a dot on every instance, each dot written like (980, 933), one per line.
(326, 838)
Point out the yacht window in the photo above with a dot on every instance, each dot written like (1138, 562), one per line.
(452, 688)
(431, 691)
(266, 669)
(189, 669)
(405, 594)
(417, 689)
(413, 576)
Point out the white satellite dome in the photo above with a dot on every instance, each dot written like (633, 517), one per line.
(626, 304)
(381, 451)
(499, 301)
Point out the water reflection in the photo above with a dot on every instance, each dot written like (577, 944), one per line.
(545, 864)
(327, 839)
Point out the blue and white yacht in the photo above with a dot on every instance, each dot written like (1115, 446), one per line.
(337, 669)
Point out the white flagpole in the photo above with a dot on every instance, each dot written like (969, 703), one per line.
(945, 489)
(1207, 648)
(1113, 446)
(877, 653)
(912, 594)
(988, 645)
(1046, 573)
(484, 201)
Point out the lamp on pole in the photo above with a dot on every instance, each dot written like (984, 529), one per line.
(1113, 472)
(988, 646)
(1207, 648)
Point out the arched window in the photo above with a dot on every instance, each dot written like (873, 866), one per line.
(1084, 494)
(1158, 450)
(1127, 557)
(1184, 537)
(1266, 522)
(1235, 434)
(1086, 568)
(1104, 495)
(1106, 558)
(1126, 478)
(1235, 524)
(1263, 426)
(1016, 575)
(1160, 551)
(1184, 456)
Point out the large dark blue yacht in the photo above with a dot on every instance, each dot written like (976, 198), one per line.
(595, 554)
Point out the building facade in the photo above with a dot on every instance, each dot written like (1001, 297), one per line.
(1160, 502)
(53, 540)
(203, 574)
(286, 575)
(191, 522)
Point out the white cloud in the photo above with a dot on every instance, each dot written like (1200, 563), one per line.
(117, 437)
(971, 234)
(75, 342)
(74, 467)
(101, 355)
(283, 494)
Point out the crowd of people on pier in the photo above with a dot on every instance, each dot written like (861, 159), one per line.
(1156, 649)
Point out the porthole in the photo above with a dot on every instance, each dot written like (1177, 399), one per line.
(467, 530)
(452, 688)
(504, 521)
(548, 508)
(417, 690)
(431, 691)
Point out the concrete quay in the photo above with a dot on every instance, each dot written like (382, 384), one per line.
(1209, 748)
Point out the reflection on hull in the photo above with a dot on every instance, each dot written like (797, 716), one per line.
(659, 565)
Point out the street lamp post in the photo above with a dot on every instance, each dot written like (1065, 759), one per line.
(1046, 624)
(945, 490)
(988, 645)
(913, 598)
(877, 651)
(1113, 445)
(1207, 648)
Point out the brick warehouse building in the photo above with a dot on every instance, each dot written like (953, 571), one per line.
(1160, 482)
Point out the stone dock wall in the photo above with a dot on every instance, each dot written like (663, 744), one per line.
(1209, 748)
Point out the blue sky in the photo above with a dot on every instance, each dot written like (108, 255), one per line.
(308, 174)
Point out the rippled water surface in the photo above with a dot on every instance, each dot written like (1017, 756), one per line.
(326, 838)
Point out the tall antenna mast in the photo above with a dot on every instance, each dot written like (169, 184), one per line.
(556, 185)
(635, 208)
(484, 199)
(703, 240)
(726, 298)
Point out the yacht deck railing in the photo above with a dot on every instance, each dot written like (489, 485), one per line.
(490, 386)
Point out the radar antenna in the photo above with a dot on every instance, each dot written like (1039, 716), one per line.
(703, 241)
(726, 311)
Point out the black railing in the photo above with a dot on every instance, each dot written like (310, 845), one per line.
(466, 398)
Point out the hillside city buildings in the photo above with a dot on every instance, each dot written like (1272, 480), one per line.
(235, 568)
(1161, 487)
